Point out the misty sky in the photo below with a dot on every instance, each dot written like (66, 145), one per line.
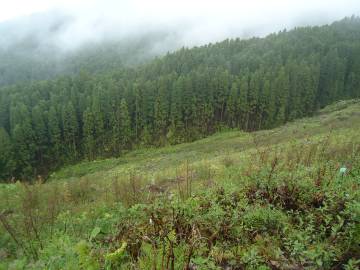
(199, 21)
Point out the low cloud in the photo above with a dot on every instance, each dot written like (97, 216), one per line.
(69, 24)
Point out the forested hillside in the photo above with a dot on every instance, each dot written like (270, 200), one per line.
(250, 84)
(266, 200)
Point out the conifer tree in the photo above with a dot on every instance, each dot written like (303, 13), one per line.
(125, 126)
(232, 106)
(243, 103)
(41, 136)
(54, 126)
(70, 130)
(89, 130)
(5, 157)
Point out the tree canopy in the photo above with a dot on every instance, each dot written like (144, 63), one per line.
(251, 84)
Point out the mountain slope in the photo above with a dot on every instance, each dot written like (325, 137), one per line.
(339, 119)
(187, 95)
(269, 199)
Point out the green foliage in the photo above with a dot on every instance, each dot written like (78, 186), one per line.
(86, 260)
(115, 259)
(204, 263)
(263, 219)
(252, 259)
(186, 95)
(5, 149)
(59, 253)
(94, 233)
(280, 204)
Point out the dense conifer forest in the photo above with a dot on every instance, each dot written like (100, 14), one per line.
(253, 84)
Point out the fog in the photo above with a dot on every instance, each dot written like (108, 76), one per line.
(68, 24)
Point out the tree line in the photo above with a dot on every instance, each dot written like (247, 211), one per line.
(251, 84)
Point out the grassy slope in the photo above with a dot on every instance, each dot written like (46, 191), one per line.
(307, 153)
(340, 118)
